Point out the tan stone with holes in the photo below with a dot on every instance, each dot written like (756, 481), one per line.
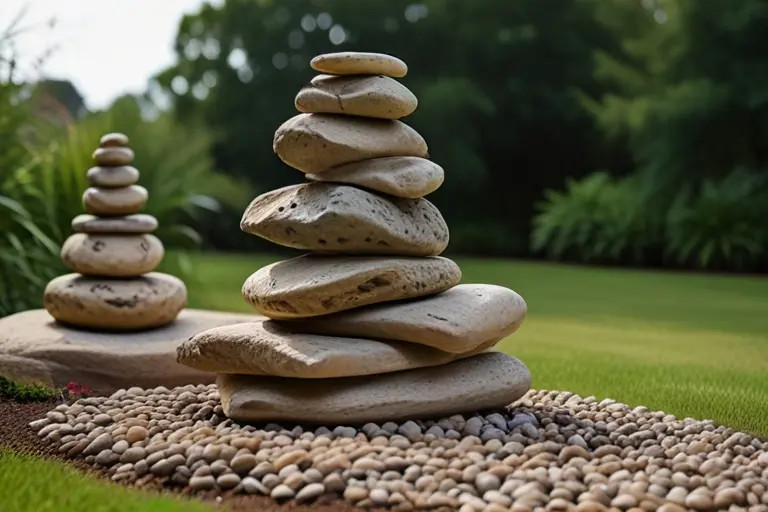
(318, 285)
(113, 255)
(314, 143)
(359, 63)
(338, 218)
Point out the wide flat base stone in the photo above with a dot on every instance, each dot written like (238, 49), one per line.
(34, 348)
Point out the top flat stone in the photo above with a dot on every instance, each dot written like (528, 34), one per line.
(359, 63)
(268, 348)
(113, 139)
(457, 320)
(113, 155)
(34, 348)
(317, 285)
(366, 96)
(313, 143)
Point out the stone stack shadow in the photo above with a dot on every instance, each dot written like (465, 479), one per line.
(372, 324)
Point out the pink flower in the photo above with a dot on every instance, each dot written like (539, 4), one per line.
(78, 389)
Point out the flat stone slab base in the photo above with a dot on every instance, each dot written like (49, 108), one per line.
(34, 348)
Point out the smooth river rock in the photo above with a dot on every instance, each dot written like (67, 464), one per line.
(113, 139)
(114, 255)
(338, 218)
(313, 143)
(114, 201)
(141, 302)
(113, 155)
(458, 320)
(359, 63)
(34, 348)
(267, 348)
(367, 96)
(313, 285)
(483, 381)
(110, 177)
(408, 177)
(136, 223)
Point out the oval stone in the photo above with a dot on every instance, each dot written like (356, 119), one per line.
(113, 155)
(136, 223)
(114, 201)
(338, 218)
(314, 143)
(113, 139)
(359, 63)
(120, 176)
(268, 348)
(408, 177)
(484, 381)
(367, 96)
(112, 255)
(458, 320)
(146, 301)
(317, 285)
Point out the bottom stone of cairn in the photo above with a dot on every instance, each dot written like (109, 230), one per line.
(548, 451)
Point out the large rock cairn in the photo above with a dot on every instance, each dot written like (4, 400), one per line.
(372, 324)
(114, 253)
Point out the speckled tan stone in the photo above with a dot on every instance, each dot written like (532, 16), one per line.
(359, 63)
(136, 223)
(483, 381)
(267, 348)
(142, 302)
(114, 201)
(114, 255)
(458, 320)
(367, 96)
(338, 218)
(119, 176)
(318, 285)
(314, 143)
(113, 155)
(113, 139)
(408, 177)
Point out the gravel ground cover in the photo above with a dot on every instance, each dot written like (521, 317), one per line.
(548, 451)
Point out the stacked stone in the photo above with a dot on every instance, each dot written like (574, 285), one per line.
(372, 324)
(114, 253)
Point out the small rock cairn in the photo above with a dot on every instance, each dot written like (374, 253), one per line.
(114, 253)
(372, 324)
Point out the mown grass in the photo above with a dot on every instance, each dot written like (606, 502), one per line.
(689, 344)
(31, 484)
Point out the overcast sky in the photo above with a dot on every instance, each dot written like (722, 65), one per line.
(105, 47)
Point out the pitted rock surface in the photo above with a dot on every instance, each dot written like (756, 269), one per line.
(113, 255)
(150, 300)
(359, 63)
(318, 285)
(338, 218)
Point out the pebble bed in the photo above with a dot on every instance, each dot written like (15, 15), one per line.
(548, 451)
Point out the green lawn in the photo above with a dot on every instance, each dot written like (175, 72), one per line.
(31, 484)
(689, 344)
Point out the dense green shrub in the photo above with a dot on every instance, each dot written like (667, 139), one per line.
(722, 224)
(598, 219)
(26, 392)
(41, 194)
